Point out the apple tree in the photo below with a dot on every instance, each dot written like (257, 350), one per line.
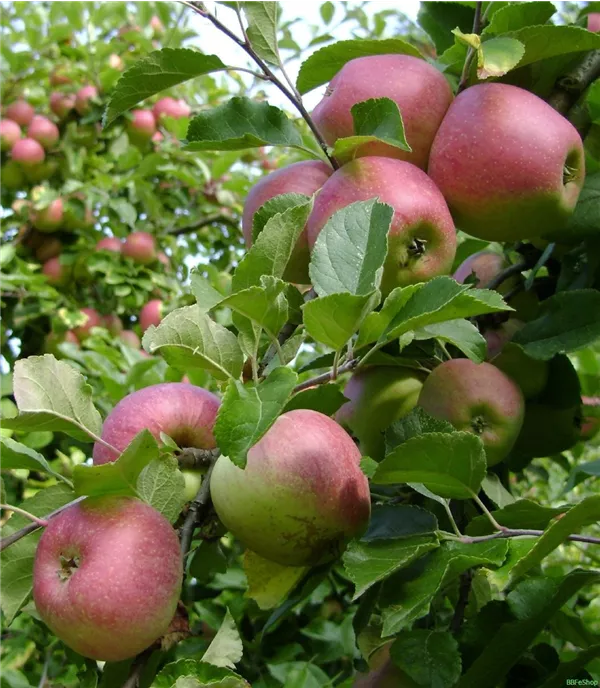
(292, 395)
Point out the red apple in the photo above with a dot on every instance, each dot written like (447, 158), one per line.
(58, 76)
(509, 165)
(184, 412)
(158, 137)
(110, 244)
(20, 112)
(422, 238)
(107, 577)
(50, 218)
(421, 92)
(306, 178)
(156, 25)
(141, 246)
(151, 314)
(83, 98)
(55, 272)
(113, 324)
(302, 494)
(43, 131)
(61, 103)
(169, 107)
(27, 152)
(498, 337)
(94, 319)
(482, 266)
(10, 133)
(130, 338)
(593, 22)
(142, 125)
(164, 259)
(477, 398)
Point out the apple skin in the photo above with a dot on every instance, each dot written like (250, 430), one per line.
(529, 373)
(301, 495)
(484, 266)
(107, 577)
(10, 133)
(141, 246)
(169, 107)
(421, 92)
(477, 398)
(142, 125)
(110, 244)
(20, 112)
(151, 314)
(163, 258)
(43, 131)
(50, 218)
(12, 176)
(61, 103)
(53, 339)
(593, 22)
(56, 274)
(305, 177)
(378, 396)
(184, 412)
(498, 158)
(27, 152)
(113, 324)
(49, 248)
(94, 319)
(83, 98)
(422, 238)
(130, 338)
(590, 424)
(498, 337)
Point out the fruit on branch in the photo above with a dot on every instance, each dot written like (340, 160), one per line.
(107, 577)
(509, 165)
(20, 112)
(53, 339)
(481, 268)
(498, 337)
(529, 373)
(130, 338)
(306, 178)
(43, 131)
(49, 247)
(157, 138)
(163, 258)
(142, 125)
(156, 25)
(84, 97)
(590, 424)
(593, 22)
(93, 319)
(55, 272)
(477, 398)
(151, 314)
(421, 92)
(184, 412)
(378, 396)
(301, 495)
(421, 239)
(28, 153)
(169, 107)
(12, 175)
(50, 218)
(140, 246)
(113, 324)
(10, 133)
(61, 103)
(59, 76)
(110, 244)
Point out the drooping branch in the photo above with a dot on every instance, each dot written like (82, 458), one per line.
(326, 377)
(216, 219)
(511, 270)
(517, 533)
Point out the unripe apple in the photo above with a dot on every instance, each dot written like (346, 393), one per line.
(157, 137)
(27, 152)
(130, 338)
(421, 92)
(306, 178)
(113, 324)
(20, 112)
(156, 25)
(378, 396)
(593, 22)
(529, 373)
(169, 107)
(477, 398)
(94, 319)
(141, 246)
(55, 272)
(53, 339)
(107, 577)
(11, 176)
(43, 131)
(151, 314)
(61, 103)
(509, 165)
(164, 259)
(59, 77)
(38, 173)
(83, 98)
(49, 248)
(10, 133)
(50, 218)
(421, 239)
(184, 412)
(302, 494)
(110, 244)
(116, 62)
(142, 125)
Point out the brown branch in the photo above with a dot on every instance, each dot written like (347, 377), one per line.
(511, 532)
(569, 87)
(326, 377)
(511, 270)
(464, 591)
(192, 458)
(198, 509)
(464, 77)
(137, 668)
(216, 219)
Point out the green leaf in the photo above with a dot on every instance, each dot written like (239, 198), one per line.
(450, 465)
(333, 319)
(17, 455)
(367, 563)
(378, 119)
(188, 338)
(268, 582)
(391, 522)
(323, 65)
(126, 212)
(498, 56)
(17, 560)
(521, 514)
(206, 561)
(586, 513)
(275, 206)
(52, 395)
(161, 484)
(460, 333)
(190, 673)
(265, 305)
(417, 422)
(207, 297)
(248, 411)
(438, 19)
(431, 658)
(326, 399)
(517, 15)
(242, 123)
(327, 10)
(496, 491)
(584, 223)
(567, 670)
(226, 647)
(581, 472)
(117, 477)
(568, 321)
(350, 250)
(156, 72)
(262, 20)
(542, 42)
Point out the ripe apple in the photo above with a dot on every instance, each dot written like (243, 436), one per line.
(130, 338)
(27, 152)
(483, 266)
(157, 138)
(94, 319)
(184, 412)
(421, 92)
(83, 98)
(378, 396)
(113, 324)
(151, 314)
(477, 398)
(593, 22)
(140, 246)
(43, 131)
(301, 495)
(529, 373)
(498, 337)
(110, 244)
(50, 218)
(55, 272)
(10, 133)
(164, 259)
(169, 107)
(142, 125)
(107, 577)
(422, 238)
(61, 103)
(305, 177)
(509, 165)
(20, 112)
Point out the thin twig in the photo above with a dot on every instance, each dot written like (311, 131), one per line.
(453, 523)
(517, 533)
(487, 512)
(464, 590)
(464, 77)
(219, 218)
(325, 377)
(198, 508)
(511, 270)
(138, 666)
(42, 523)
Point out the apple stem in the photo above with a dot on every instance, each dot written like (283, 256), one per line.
(453, 523)
(487, 513)
(477, 23)
(40, 521)
(516, 532)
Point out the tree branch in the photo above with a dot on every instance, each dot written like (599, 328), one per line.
(197, 510)
(326, 377)
(464, 77)
(218, 218)
(569, 87)
(466, 579)
(511, 270)
(192, 458)
(514, 532)
(138, 666)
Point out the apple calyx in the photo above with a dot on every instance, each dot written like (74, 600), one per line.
(68, 566)
(417, 247)
(479, 425)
